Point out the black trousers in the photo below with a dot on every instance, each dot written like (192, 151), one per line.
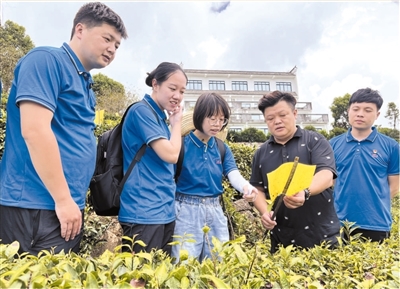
(154, 236)
(374, 236)
(35, 230)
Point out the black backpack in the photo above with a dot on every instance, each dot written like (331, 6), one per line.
(108, 179)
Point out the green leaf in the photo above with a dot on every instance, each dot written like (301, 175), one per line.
(17, 273)
(242, 257)
(145, 255)
(283, 279)
(185, 283)
(3, 283)
(216, 282)
(161, 273)
(39, 282)
(91, 281)
(12, 249)
(179, 272)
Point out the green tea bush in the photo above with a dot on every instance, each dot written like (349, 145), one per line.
(244, 262)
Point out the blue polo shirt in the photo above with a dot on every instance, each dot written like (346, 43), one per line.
(361, 191)
(202, 170)
(148, 194)
(56, 79)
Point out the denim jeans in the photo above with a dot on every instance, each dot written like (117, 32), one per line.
(192, 214)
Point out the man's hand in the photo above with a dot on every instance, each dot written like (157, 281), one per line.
(70, 218)
(266, 220)
(295, 201)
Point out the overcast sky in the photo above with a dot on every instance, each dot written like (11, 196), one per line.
(338, 47)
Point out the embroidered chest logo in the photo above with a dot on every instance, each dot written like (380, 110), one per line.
(374, 153)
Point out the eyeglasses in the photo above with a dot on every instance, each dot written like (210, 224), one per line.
(216, 121)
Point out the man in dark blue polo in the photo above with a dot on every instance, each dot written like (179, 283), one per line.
(307, 218)
(50, 151)
(368, 169)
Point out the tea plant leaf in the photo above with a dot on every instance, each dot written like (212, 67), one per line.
(91, 281)
(12, 249)
(215, 282)
(161, 273)
(242, 257)
(18, 272)
(185, 283)
(179, 272)
(283, 279)
(145, 255)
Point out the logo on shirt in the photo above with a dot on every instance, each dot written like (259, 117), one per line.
(374, 153)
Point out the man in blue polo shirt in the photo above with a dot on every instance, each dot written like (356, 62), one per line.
(50, 150)
(368, 169)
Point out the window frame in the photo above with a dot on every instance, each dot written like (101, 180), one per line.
(261, 85)
(240, 85)
(216, 84)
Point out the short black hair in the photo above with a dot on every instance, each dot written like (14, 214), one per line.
(367, 95)
(94, 14)
(207, 105)
(272, 98)
(163, 72)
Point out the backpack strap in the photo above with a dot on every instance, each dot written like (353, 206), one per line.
(138, 154)
(221, 148)
(180, 160)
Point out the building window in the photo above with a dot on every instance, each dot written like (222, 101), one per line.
(257, 117)
(246, 105)
(216, 85)
(261, 86)
(284, 86)
(239, 85)
(194, 85)
(192, 104)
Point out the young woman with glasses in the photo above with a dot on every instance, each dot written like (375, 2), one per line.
(199, 185)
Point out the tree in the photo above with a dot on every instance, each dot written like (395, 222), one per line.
(339, 111)
(392, 114)
(14, 44)
(111, 95)
(310, 127)
(322, 131)
(233, 136)
(252, 134)
(336, 131)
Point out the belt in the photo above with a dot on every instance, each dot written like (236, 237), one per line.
(196, 200)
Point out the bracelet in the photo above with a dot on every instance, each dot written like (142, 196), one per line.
(307, 194)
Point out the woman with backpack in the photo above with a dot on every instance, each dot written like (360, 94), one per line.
(147, 199)
(199, 183)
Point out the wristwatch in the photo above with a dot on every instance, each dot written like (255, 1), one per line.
(307, 194)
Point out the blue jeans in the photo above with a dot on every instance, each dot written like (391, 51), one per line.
(192, 214)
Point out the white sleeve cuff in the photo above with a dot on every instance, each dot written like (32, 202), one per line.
(237, 181)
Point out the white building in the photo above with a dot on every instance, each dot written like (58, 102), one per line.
(243, 89)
